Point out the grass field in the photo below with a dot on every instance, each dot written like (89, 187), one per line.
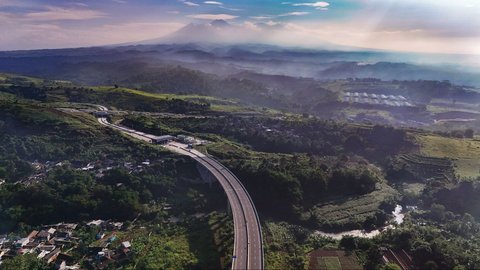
(331, 263)
(334, 259)
(217, 104)
(464, 152)
(354, 209)
(153, 95)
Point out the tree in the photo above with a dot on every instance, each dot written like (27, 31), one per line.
(437, 212)
(348, 242)
(469, 133)
(24, 262)
(392, 266)
(430, 265)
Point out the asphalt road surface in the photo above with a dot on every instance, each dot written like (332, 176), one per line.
(248, 245)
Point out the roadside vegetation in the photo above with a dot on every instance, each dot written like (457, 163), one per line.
(304, 174)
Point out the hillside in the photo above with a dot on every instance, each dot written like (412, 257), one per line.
(318, 174)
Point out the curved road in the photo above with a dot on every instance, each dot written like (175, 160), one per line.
(248, 245)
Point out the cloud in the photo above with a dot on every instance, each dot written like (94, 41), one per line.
(260, 18)
(221, 5)
(64, 14)
(317, 5)
(213, 3)
(80, 4)
(295, 13)
(270, 17)
(120, 1)
(231, 9)
(26, 35)
(190, 4)
(213, 16)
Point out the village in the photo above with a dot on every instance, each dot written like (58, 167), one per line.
(100, 167)
(54, 245)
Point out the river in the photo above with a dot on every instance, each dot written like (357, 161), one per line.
(398, 217)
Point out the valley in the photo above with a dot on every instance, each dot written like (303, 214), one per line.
(320, 175)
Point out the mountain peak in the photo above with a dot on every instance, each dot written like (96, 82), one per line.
(219, 23)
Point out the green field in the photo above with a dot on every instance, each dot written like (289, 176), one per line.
(465, 153)
(331, 263)
(217, 104)
(342, 211)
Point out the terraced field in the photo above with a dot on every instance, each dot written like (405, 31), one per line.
(465, 153)
(426, 167)
(333, 260)
(346, 210)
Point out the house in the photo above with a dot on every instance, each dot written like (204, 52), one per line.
(48, 248)
(61, 241)
(30, 245)
(112, 238)
(32, 234)
(162, 139)
(67, 226)
(100, 235)
(2, 252)
(114, 225)
(398, 257)
(43, 236)
(22, 242)
(42, 254)
(105, 253)
(126, 244)
(186, 139)
(52, 256)
(62, 261)
(97, 222)
(99, 114)
(64, 234)
(4, 242)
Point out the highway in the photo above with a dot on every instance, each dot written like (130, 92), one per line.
(248, 242)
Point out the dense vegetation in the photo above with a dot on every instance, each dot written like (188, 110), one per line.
(295, 135)
(31, 132)
(317, 174)
(69, 195)
(295, 182)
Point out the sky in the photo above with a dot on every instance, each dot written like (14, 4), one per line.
(432, 26)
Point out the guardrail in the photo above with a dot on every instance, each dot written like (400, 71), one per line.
(130, 131)
(253, 206)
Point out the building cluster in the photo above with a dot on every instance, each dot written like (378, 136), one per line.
(47, 244)
(98, 167)
(180, 138)
(52, 242)
(376, 99)
(106, 250)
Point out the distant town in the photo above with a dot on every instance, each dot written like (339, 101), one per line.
(377, 99)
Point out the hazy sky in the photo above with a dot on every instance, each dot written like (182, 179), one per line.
(408, 25)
